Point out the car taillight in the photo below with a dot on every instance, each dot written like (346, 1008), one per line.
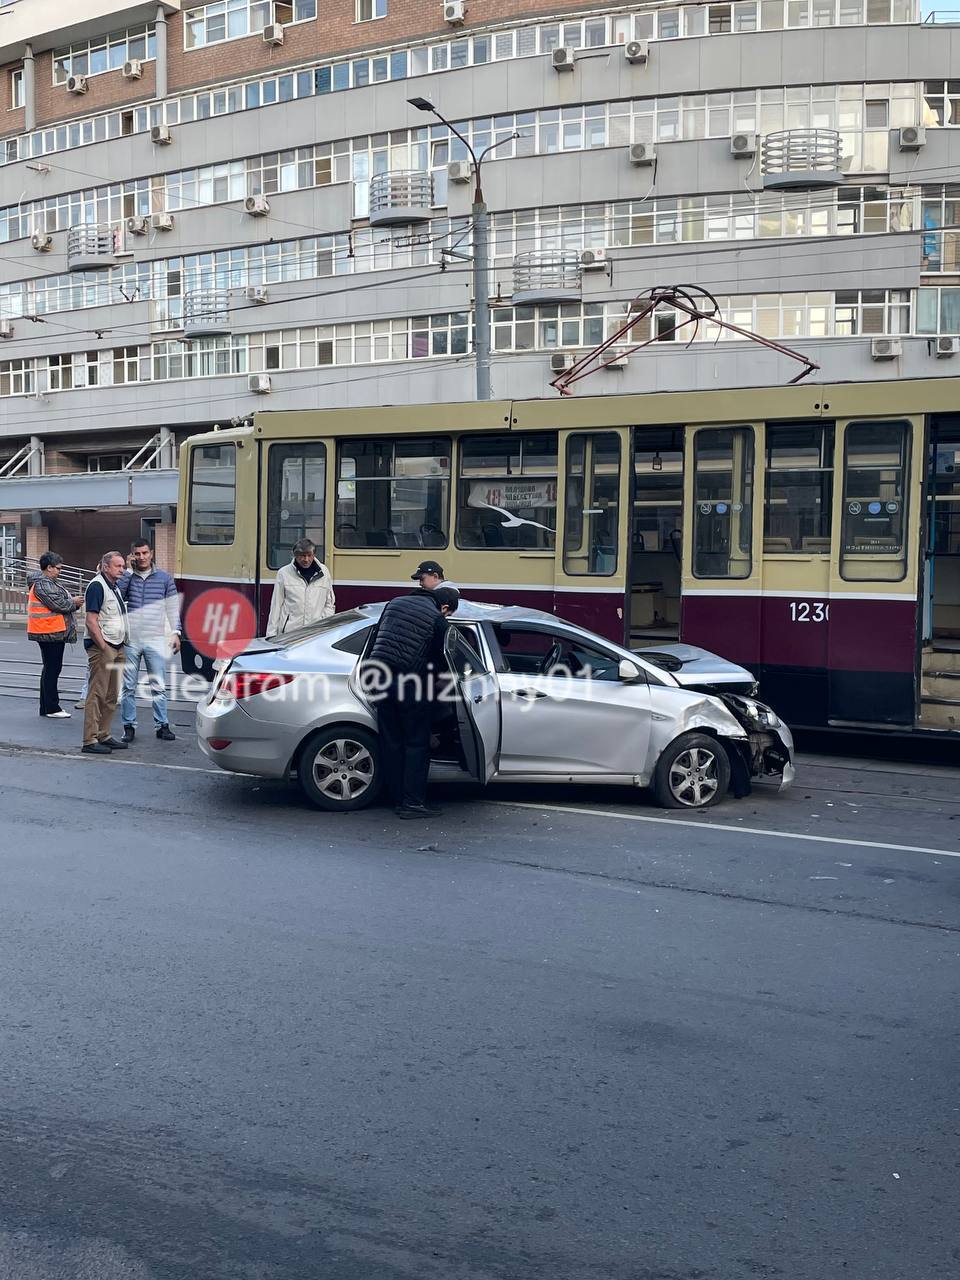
(244, 684)
(219, 744)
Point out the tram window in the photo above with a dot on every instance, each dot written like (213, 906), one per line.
(393, 493)
(799, 496)
(296, 482)
(657, 489)
(723, 502)
(213, 495)
(590, 537)
(875, 474)
(508, 491)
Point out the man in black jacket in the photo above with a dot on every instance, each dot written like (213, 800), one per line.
(408, 654)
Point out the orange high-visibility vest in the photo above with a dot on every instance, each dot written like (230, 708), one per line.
(42, 621)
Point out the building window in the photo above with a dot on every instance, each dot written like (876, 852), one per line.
(100, 54)
(875, 473)
(295, 499)
(508, 491)
(723, 502)
(213, 494)
(799, 498)
(369, 9)
(234, 19)
(16, 377)
(59, 373)
(126, 365)
(16, 89)
(393, 493)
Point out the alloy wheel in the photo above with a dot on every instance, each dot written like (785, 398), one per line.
(693, 777)
(343, 769)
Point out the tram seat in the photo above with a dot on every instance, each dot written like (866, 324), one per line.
(777, 546)
(643, 603)
(492, 535)
(815, 546)
(381, 538)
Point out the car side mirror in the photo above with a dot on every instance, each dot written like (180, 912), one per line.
(629, 671)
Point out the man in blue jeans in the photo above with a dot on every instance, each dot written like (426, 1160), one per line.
(153, 610)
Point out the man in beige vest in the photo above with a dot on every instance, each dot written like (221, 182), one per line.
(107, 634)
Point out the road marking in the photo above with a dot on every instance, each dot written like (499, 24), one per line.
(722, 826)
(79, 758)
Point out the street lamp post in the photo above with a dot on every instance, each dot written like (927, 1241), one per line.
(481, 276)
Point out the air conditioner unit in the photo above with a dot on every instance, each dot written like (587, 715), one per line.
(138, 225)
(257, 294)
(42, 241)
(943, 347)
(593, 260)
(912, 137)
(6, 329)
(744, 145)
(561, 361)
(160, 135)
(454, 12)
(273, 33)
(885, 348)
(615, 359)
(636, 51)
(460, 171)
(260, 383)
(257, 206)
(76, 84)
(163, 221)
(132, 69)
(642, 153)
(563, 58)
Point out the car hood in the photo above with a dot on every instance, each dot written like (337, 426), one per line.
(695, 668)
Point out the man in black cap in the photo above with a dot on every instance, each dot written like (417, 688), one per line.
(429, 574)
(408, 652)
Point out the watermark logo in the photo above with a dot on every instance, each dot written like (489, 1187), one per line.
(221, 623)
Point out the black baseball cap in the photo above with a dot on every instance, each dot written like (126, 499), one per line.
(426, 566)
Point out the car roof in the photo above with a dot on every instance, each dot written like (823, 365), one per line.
(475, 611)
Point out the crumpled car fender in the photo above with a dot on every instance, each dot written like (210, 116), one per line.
(675, 711)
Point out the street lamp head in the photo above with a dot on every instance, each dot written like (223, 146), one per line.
(422, 104)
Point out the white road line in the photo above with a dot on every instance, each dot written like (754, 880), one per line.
(721, 826)
(78, 758)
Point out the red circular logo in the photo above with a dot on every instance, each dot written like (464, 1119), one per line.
(220, 623)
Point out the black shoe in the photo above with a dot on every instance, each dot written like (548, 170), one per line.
(129, 732)
(97, 749)
(417, 811)
(166, 734)
(113, 744)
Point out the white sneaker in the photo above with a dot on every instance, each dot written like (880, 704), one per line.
(58, 715)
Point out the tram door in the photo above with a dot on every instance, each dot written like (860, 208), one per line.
(941, 586)
(293, 501)
(656, 534)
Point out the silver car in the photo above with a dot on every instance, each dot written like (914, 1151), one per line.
(536, 700)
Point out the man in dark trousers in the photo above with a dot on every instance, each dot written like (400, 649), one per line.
(407, 655)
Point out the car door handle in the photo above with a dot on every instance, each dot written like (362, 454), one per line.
(530, 693)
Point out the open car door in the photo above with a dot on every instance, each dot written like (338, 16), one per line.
(478, 704)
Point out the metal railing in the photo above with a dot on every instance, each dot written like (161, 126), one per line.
(943, 15)
(801, 152)
(20, 460)
(206, 313)
(553, 275)
(14, 572)
(91, 247)
(401, 196)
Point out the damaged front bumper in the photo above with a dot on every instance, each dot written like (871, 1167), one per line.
(768, 749)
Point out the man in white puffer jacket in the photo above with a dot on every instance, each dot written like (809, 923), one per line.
(302, 593)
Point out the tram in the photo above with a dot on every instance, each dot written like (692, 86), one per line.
(810, 532)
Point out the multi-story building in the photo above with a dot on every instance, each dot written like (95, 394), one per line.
(212, 208)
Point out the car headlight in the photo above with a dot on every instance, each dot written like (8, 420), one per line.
(757, 713)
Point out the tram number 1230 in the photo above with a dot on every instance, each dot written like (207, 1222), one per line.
(809, 611)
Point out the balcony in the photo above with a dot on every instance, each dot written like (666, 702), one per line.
(546, 277)
(91, 247)
(801, 160)
(206, 314)
(400, 197)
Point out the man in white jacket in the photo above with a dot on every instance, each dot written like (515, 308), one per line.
(302, 593)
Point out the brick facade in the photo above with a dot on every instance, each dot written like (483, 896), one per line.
(104, 92)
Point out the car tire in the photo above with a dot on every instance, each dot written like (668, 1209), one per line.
(339, 768)
(693, 772)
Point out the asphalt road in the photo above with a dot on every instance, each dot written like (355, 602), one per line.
(551, 1035)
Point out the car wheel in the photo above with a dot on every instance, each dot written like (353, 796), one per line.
(693, 772)
(339, 769)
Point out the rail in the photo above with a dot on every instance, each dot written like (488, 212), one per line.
(943, 15)
(549, 275)
(14, 572)
(401, 196)
(800, 151)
